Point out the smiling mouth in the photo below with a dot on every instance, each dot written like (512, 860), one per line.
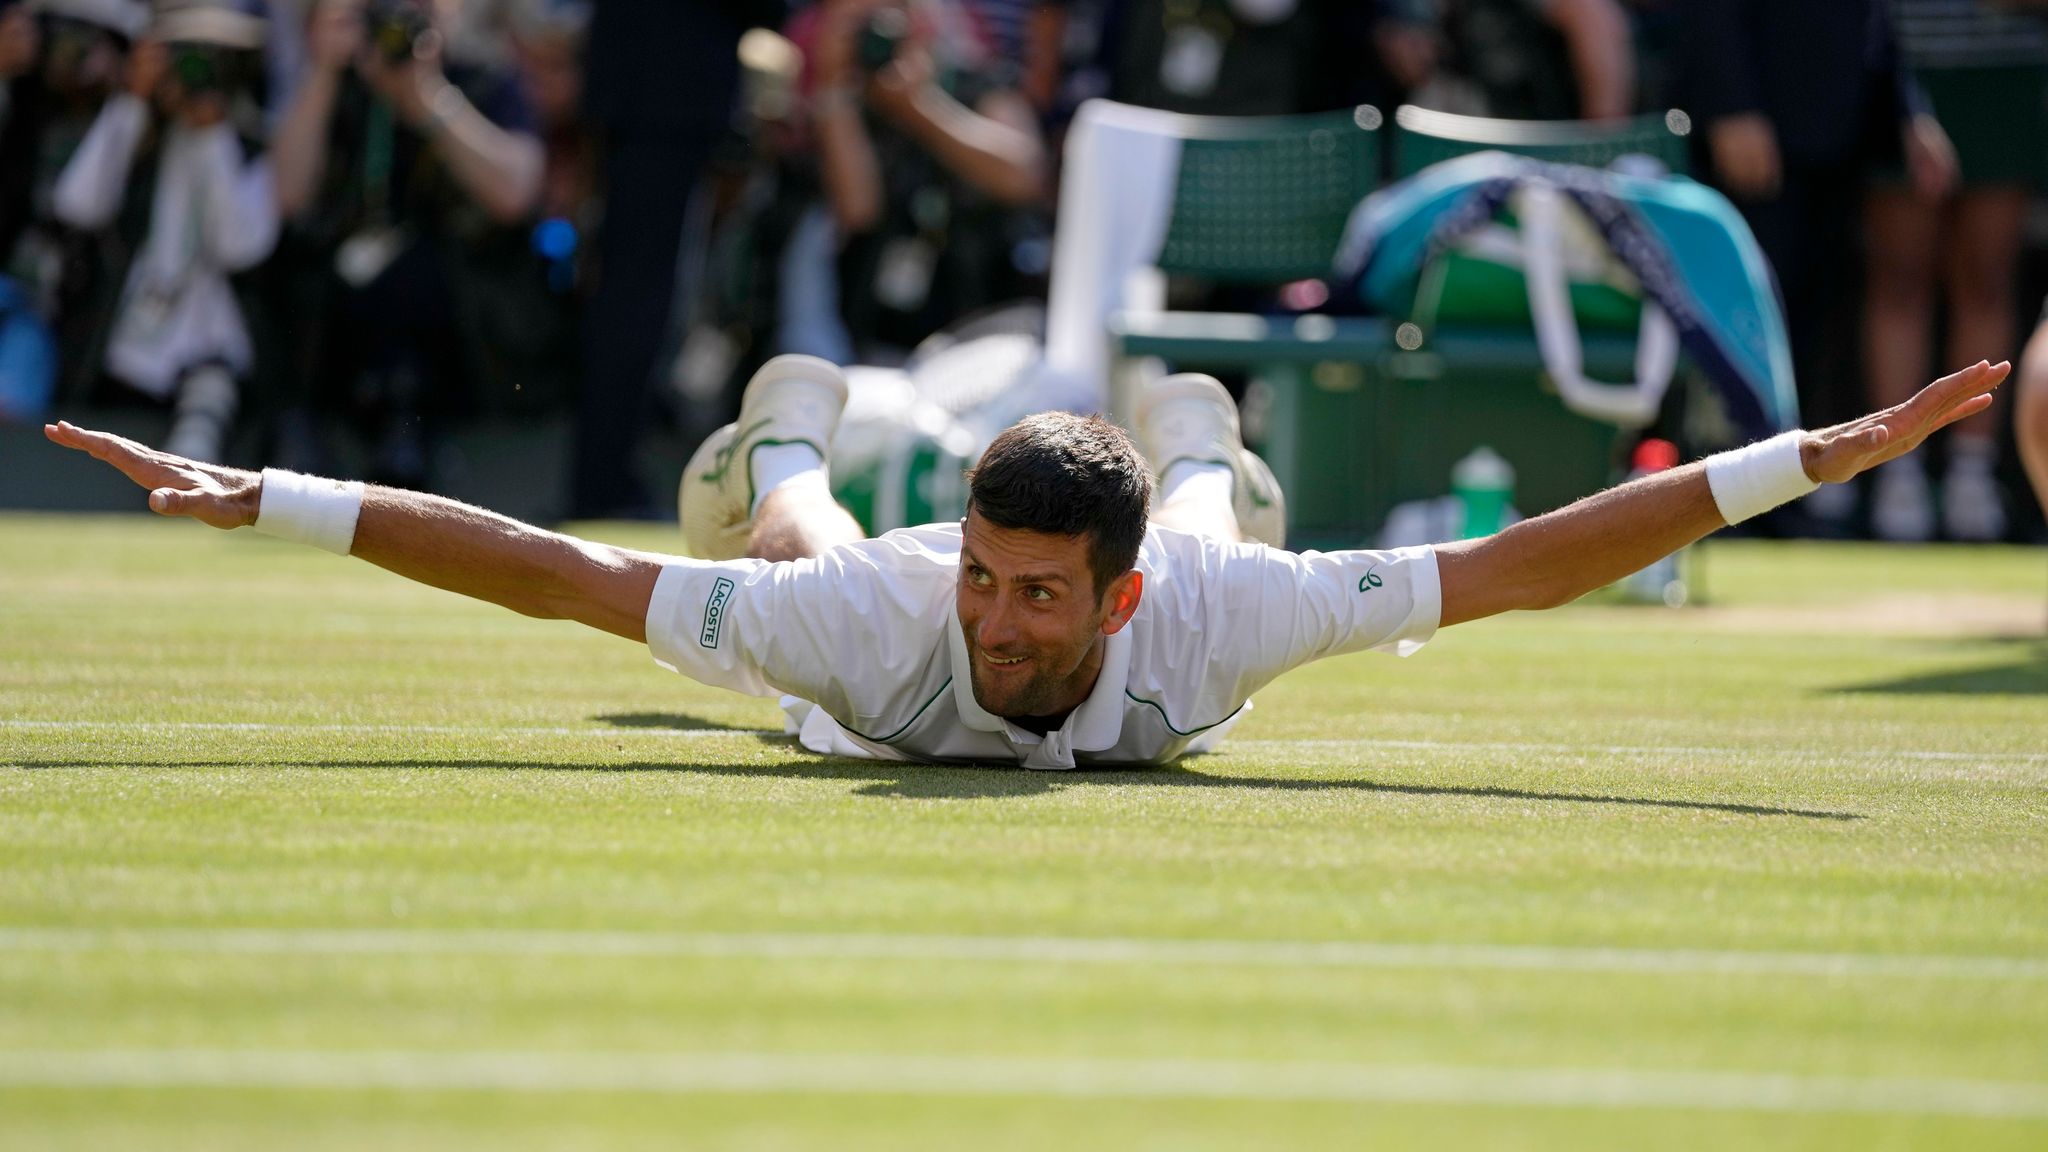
(1000, 662)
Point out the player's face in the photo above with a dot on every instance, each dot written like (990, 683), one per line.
(1033, 623)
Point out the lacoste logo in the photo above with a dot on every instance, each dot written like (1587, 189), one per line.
(714, 612)
(1370, 580)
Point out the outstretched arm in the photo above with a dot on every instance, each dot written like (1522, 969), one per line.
(1557, 557)
(430, 539)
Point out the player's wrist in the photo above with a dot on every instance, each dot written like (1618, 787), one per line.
(1809, 452)
(308, 509)
(1752, 480)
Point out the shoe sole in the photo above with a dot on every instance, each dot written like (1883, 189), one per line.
(717, 521)
(1259, 503)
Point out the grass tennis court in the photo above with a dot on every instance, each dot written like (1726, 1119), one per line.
(295, 853)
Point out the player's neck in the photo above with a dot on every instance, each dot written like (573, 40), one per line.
(1041, 725)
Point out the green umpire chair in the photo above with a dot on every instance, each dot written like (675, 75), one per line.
(1423, 137)
(1264, 200)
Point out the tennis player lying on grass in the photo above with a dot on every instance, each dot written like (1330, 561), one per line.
(1065, 620)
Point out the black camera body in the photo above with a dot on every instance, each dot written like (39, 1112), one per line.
(204, 69)
(395, 28)
(880, 37)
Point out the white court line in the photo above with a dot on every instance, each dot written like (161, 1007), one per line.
(1829, 755)
(1016, 949)
(957, 1075)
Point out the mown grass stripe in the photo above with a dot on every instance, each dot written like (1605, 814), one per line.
(1830, 755)
(480, 730)
(959, 1075)
(1019, 949)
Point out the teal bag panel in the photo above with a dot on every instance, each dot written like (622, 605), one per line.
(1685, 242)
(1726, 274)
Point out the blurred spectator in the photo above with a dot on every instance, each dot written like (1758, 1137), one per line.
(1407, 41)
(660, 81)
(63, 57)
(1543, 59)
(548, 38)
(20, 44)
(177, 149)
(405, 185)
(1983, 69)
(931, 164)
(1256, 57)
(1026, 44)
(1658, 55)
(1210, 57)
(1800, 103)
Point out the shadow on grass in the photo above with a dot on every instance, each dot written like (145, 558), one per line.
(2024, 675)
(962, 782)
(668, 722)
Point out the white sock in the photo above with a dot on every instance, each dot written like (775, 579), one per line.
(1972, 454)
(1905, 467)
(1198, 480)
(775, 465)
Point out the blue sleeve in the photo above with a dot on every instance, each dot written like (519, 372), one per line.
(502, 101)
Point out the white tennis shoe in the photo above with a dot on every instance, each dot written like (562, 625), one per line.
(1190, 417)
(791, 400)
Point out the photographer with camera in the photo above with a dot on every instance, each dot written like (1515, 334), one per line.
(60, 60)
(931, 161)
(394, 49)
(395, 176)
(165, 165)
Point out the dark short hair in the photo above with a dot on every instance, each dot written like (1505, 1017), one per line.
(1068, 475)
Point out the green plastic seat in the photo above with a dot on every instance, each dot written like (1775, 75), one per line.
(1264, 200)
(1423, 137)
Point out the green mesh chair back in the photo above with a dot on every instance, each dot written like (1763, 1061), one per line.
(1264, 199)
(1423, 137)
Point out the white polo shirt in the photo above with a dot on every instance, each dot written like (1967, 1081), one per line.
(866, 640)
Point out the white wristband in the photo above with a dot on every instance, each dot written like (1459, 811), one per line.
(1752, 480)
(309, 510)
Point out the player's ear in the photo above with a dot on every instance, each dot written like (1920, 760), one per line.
(1121, 598)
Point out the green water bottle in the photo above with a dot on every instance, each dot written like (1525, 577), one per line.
(1483, 484)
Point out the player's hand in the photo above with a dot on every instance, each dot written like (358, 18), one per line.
(832, 54)
(1408, 51)
(1833, 455)
(20, 41)
(202, 111)
(409, 86)
(208, 493)
(148, 63)
(334, 34)
(896, 87)
(1745, 149)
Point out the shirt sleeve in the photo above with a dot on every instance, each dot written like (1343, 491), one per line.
(1330, 603)
(1257, 612)
(842, 629)
(239, 201)
(689, 626)
(1266, 610)
(89, 190)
